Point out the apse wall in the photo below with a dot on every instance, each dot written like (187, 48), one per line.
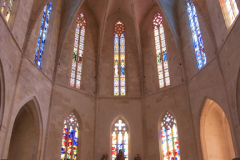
(151, 83)
(66, 100)
(96, 108)
(218, 79)
(109, 107)
(25, 81)
(64, 63)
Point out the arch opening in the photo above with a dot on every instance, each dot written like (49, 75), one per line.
(120, 138)
(70, 137)
(26, 134)
(168, 137)
(216, 139)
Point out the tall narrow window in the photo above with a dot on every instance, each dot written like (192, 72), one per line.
(196, 35)
(230, 11)
(7, 8)
(161, 51)
(169, 138)
(42, 34)
(120, 139)
(77, 61)
(119, 60)
(70, 138)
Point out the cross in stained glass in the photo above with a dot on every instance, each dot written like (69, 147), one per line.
(120, 125)
(71, 120)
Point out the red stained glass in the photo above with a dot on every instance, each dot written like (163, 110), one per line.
(81, 20)
(119, 28)
(75, 80)
(161, 53)
(169, 138)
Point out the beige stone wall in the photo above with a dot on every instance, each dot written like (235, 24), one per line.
(106, 59)
(151, 84)
(64, 64)
(94, 105)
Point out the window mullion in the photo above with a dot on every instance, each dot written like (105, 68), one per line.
(123, 144)
(167, 143)
(119, 64)
(76, 68)
(72, 144)
(67, 141)
(160, 41)
(173, 143)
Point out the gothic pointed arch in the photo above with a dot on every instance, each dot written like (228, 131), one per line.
(168, 137)
(70, 137)
(215, 133)
(161, 51)
(196, 35)
(28, 120)
(120, 133)
(78, 51)
(119, 60)
(2, 93)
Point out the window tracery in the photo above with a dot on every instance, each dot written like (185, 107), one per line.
(196, 35)
(77, 61)
(161, 51)
(7, 8)
(70, 138)
(119, 60)
(42, 35)
(169, 138)
(120, 139)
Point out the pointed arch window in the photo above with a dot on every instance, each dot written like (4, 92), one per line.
(7, 8)
(70, 138)
(161, 51)
(169, 138)
(196, 35)
(230, 11)
(120, 139)
(42, 34)
(77, 61)
(119, 60)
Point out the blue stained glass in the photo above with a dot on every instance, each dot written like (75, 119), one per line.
(44, 34)
(197, 36)
(40, 33)
(122, 45)
(116, 47)
(164, 56)
(122, 70)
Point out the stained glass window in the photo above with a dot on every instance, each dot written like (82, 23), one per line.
(7, 11)
(231, 8)
(77, 61)
(161, 51)
(42, 34)
(169, 138)
(196, 35)
(70, 138)
(119, 60)
(120, 139)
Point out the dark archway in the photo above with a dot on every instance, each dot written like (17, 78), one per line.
(26, 133)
